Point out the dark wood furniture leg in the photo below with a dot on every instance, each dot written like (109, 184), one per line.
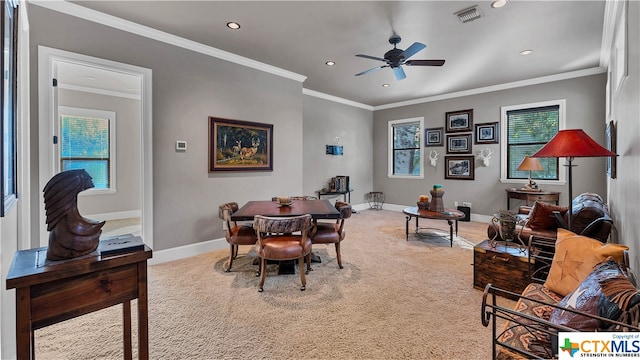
(24, 332)
(143, 313)
(126, 324)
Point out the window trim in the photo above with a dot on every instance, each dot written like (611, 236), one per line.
(391, 124)
(561, 103)
(10, 99)
(95, 113)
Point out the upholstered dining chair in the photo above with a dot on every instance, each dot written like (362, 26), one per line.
(283, 238)
(235, 234)
(333, 233)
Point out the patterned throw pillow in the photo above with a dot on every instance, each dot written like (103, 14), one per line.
(574, 259)
(606, 292)
(541, 215)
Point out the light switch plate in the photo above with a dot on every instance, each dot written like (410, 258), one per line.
(181, 145)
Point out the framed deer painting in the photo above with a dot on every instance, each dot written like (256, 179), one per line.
(236, 145)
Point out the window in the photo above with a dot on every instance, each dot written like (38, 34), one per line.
(8, 61)
(87, 142)
(525, 129)
(406, 148)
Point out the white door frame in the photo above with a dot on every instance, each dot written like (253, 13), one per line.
(47, 110)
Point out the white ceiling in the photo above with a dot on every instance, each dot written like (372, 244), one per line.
(299, 36)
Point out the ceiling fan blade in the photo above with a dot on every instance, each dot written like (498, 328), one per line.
(371, 70)
(399, 73)
(413, 49)
(371, 57)
(424, 62)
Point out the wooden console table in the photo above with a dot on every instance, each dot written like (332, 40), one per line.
(345, 194)
(532, 196)
(48, 292)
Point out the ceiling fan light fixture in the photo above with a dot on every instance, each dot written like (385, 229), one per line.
(469, 14)
(496, 4)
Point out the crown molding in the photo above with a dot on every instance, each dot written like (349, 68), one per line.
(608, 29)
(336, 99)
(145, 31)
(492, 88)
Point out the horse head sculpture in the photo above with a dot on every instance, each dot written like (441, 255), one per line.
(70, 235)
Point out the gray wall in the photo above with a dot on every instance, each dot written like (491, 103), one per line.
(128, 124)
(187, 88)
(585, 109)
(624, 195)
(323, 121)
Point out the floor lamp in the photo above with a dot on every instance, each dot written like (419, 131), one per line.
(571, 144)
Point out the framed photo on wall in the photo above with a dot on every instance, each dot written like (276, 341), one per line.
(459, 167)
(240, 145)
(433, 137)
(459, 144)
(487, 133)
(459, 121)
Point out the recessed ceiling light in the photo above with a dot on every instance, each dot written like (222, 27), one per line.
(498, 3)
(385, 85)
(89, 77)
(330, 63)
(233, 25)
(526, 52)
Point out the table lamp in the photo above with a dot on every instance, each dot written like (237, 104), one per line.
(572, 143)
(530, 164)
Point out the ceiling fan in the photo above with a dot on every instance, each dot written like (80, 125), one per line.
(395, 58)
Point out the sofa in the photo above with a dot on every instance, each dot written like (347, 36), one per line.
(590, 217)
(588, 288)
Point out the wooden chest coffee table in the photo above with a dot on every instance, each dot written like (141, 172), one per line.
(505, 266)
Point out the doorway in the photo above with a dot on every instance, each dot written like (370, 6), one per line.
(70, 80)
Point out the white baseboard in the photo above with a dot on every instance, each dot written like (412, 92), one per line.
(185, 251)
(115, 215)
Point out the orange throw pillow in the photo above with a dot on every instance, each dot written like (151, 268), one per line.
(541, 215)
(574, 259)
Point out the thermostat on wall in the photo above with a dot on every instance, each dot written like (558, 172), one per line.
(181, 145)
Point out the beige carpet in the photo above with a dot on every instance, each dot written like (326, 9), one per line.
(394, 299)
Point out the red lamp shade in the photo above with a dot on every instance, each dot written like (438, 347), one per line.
(572, 143)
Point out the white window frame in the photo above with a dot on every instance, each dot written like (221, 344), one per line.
(92, 113)
(390, 166)
(561, 103)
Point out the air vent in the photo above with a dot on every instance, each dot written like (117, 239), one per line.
(469, 14)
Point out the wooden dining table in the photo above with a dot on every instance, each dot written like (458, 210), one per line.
(318, 209)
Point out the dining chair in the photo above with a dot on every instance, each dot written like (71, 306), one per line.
(235, 234)
(333, 233)
(283, 238)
